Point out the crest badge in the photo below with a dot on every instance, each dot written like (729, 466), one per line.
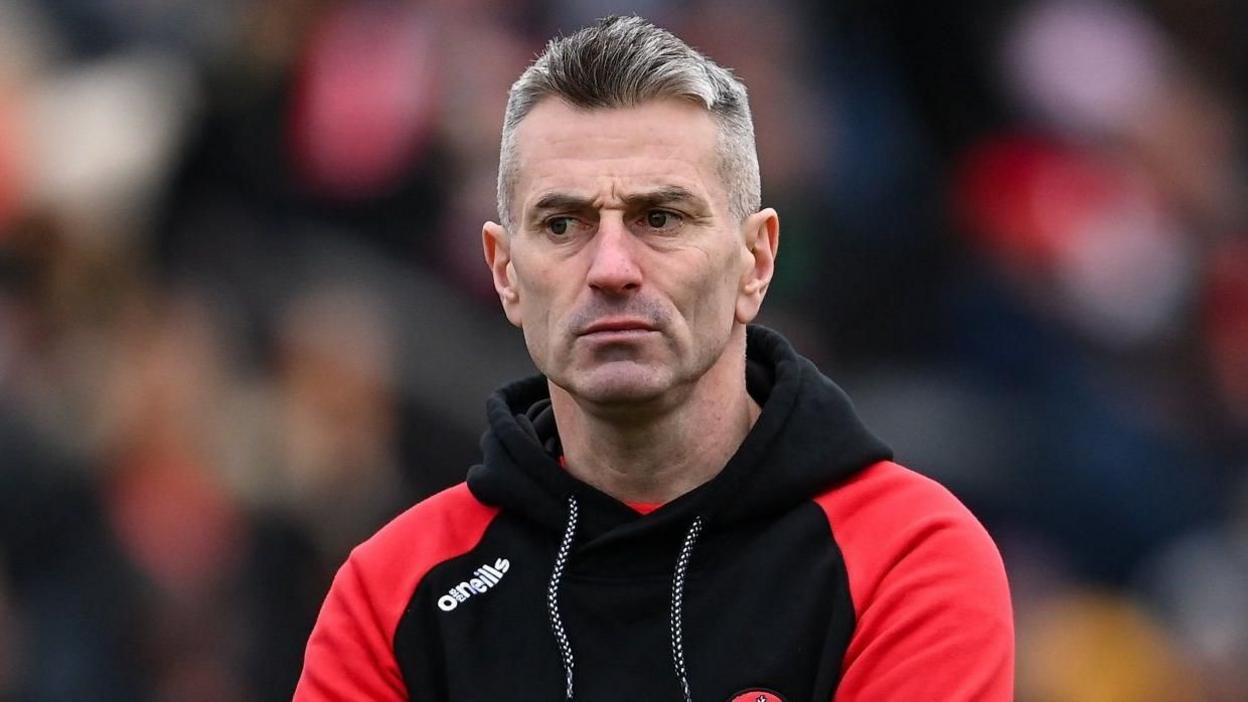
(757, 695)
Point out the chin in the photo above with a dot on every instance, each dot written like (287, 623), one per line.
(618, 384)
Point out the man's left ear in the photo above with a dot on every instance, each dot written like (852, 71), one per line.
(762, 242)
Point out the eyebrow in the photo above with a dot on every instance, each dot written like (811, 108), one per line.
(665, 195)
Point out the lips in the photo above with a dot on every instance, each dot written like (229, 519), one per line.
(606, 326)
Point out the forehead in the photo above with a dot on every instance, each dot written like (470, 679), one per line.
(662, 142)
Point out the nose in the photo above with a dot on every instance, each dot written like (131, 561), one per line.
(613, 267)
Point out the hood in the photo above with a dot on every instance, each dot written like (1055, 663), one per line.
(806, 440)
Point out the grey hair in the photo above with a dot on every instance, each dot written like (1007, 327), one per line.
(623, 62)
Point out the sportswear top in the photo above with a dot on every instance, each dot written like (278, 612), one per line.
(811, 567)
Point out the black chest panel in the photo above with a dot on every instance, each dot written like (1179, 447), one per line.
(766, 606)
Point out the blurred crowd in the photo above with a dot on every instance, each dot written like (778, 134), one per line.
(244, 318)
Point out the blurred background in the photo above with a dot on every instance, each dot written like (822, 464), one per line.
(244, 318)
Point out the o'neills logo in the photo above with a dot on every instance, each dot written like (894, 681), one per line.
(484, 578)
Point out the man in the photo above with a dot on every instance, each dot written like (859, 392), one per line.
(680, 507)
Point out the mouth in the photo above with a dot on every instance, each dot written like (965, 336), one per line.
(617, 327)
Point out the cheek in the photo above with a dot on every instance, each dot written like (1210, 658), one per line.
(539, 288)
(542, 298)
(533, 305)
(536, 345)
(536, 329)
(721, 283)
(708, 299)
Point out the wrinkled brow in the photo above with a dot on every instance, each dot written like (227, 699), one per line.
(666, 195)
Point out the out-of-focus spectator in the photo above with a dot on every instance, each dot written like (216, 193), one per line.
(1088, 647)
(1196, 585)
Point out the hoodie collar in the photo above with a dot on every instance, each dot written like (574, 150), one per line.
(806, 440)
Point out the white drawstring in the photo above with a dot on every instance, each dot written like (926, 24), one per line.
(552, 596)
(677, 612)
(678, 599)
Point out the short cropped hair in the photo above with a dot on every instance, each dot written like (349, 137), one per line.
(624, 62)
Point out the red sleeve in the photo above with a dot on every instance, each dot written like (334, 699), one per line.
(350, 654)
(933, 607)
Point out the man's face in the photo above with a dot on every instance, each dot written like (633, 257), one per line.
(623, 266)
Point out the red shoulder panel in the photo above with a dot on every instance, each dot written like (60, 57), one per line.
(933, 607)
(350, 654)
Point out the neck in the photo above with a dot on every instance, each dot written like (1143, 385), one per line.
(657, 455)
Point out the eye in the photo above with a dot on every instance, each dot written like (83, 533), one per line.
(559, 226)
(662, 220)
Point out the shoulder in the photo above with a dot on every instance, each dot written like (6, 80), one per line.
(445, 525)
(387, 568)
(887, 512)
(929, 590)
(350, 654)
(888, 485)
(888, 517)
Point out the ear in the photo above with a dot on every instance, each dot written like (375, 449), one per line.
(761, 231)
(497, 251)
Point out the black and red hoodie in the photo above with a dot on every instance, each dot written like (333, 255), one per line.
(810, 568)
